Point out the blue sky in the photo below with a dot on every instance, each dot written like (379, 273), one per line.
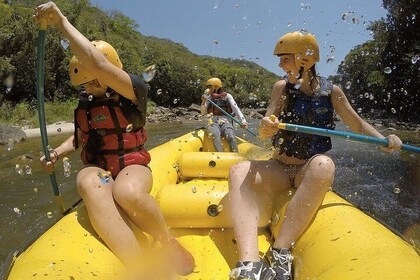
(249, 29)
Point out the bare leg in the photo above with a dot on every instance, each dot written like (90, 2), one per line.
(316, 178)
(251, 188)
(106, 216)
(131, 191)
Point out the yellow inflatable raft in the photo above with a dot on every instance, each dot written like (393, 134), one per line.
(190, 184)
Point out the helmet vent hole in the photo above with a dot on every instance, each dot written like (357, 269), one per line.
(76, 70)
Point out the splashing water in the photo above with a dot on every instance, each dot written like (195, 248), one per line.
(149, 73)
(10, 144)
(8, 82)
(129, 128)
(66, 167)
(387, 70)
(348, 85)
(64, 43)
(415, 59)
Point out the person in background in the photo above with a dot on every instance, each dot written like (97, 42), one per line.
(298, 160)
(219, 123)
(109, 126)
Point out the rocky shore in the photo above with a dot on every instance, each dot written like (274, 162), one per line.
(159, 114)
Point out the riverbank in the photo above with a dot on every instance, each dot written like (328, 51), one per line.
(178, 115)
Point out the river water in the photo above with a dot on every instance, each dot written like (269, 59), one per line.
(386, 186)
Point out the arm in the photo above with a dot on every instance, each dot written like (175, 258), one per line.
(268, 127)
(204, 102)
(356, 123)
(92, 59)
(65, 148)
(236, 110)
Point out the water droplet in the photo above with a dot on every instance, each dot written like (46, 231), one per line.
(107, 94)
(355, 20)
(348, 85)
(387, 70)
(149, 73)
(396, 190)
(66, 167)
(289, 23)
(104, 176)
(10, 144)
(17, 211)
(175, 101)
(193, 189)
(64, 43)
(8, 82)
(330, 59)
(49, 215)
(393, 110)
(28, 170)
(298, 84)
(19, 169)
(129, 128)
(415, 59)
(90, 97)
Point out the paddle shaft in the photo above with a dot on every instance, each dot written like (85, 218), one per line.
(229, 116)
(343, 134)
(40, 77)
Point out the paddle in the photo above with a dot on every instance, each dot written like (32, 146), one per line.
(341, 134)
(40, 107)
(230, 116)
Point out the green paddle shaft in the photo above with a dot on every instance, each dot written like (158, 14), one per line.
(41, 114)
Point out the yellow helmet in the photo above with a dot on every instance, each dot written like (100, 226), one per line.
(215, 82)
(302, 44)
(79, 75)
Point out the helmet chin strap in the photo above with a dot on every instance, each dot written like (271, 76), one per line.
(301, 69)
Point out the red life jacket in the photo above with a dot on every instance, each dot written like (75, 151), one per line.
(221, 100)
(108, 138)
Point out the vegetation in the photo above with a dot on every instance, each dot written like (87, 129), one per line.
(381, 76)
(180, 74)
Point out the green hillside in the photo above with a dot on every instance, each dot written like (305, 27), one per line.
(180, 74)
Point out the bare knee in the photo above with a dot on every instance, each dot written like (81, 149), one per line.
(130, 194)
(85, 182)
(322, 169)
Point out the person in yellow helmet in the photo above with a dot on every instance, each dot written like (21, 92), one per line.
(298, 160)
(115, 181)
(221, 103)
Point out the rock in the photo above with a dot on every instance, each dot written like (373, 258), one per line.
(11, 134)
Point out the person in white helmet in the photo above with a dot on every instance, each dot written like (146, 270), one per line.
(219, 123)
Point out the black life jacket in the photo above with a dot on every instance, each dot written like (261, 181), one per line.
(315, 111)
